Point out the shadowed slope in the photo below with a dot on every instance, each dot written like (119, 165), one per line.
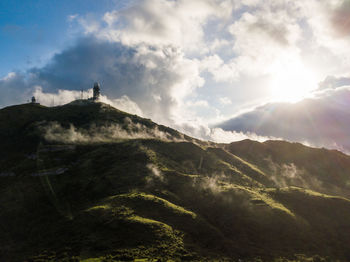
(89, 181)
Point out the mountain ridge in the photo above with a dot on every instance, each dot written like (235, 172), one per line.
(93, 182)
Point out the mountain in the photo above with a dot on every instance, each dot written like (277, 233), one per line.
(87, 182)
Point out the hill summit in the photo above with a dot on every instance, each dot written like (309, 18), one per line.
(87, 182)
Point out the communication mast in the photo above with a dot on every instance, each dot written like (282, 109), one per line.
(97, 93)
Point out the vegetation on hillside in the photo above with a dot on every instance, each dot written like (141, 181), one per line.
(92, 183)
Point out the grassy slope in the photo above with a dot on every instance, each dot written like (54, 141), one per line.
(322, 170)
(150, 198)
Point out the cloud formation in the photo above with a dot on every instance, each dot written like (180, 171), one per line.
(162, 23)
(53, 131)
(155, 79)
(334, 82)
(62, 97)
(322, 121)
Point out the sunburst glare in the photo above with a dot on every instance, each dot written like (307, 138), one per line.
(291, 81)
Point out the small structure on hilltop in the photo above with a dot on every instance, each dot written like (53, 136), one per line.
(97, 92)
(96, 95)
(33, 101)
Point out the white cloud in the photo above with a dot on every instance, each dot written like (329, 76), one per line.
(324, 44)
(9, 76)
(71, 18)
(197, 103)
(124, 103)
(263, 36)
(62, 97)
(221, 136)
(218, 43)
(221, 72)
(161, 23)
(225, 101)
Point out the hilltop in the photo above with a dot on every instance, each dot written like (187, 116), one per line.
(87, 182)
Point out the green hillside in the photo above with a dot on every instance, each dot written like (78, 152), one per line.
(322, 170)
(87, 182)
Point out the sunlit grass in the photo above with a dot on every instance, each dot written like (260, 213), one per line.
(154, 199)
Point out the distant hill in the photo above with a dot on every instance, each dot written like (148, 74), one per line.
(87, 182)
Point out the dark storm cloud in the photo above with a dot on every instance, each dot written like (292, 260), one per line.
(321, 122)
(89, 60)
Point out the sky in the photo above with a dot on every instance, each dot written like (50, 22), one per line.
(222, 70)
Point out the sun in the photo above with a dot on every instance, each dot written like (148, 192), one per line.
(291, 81)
